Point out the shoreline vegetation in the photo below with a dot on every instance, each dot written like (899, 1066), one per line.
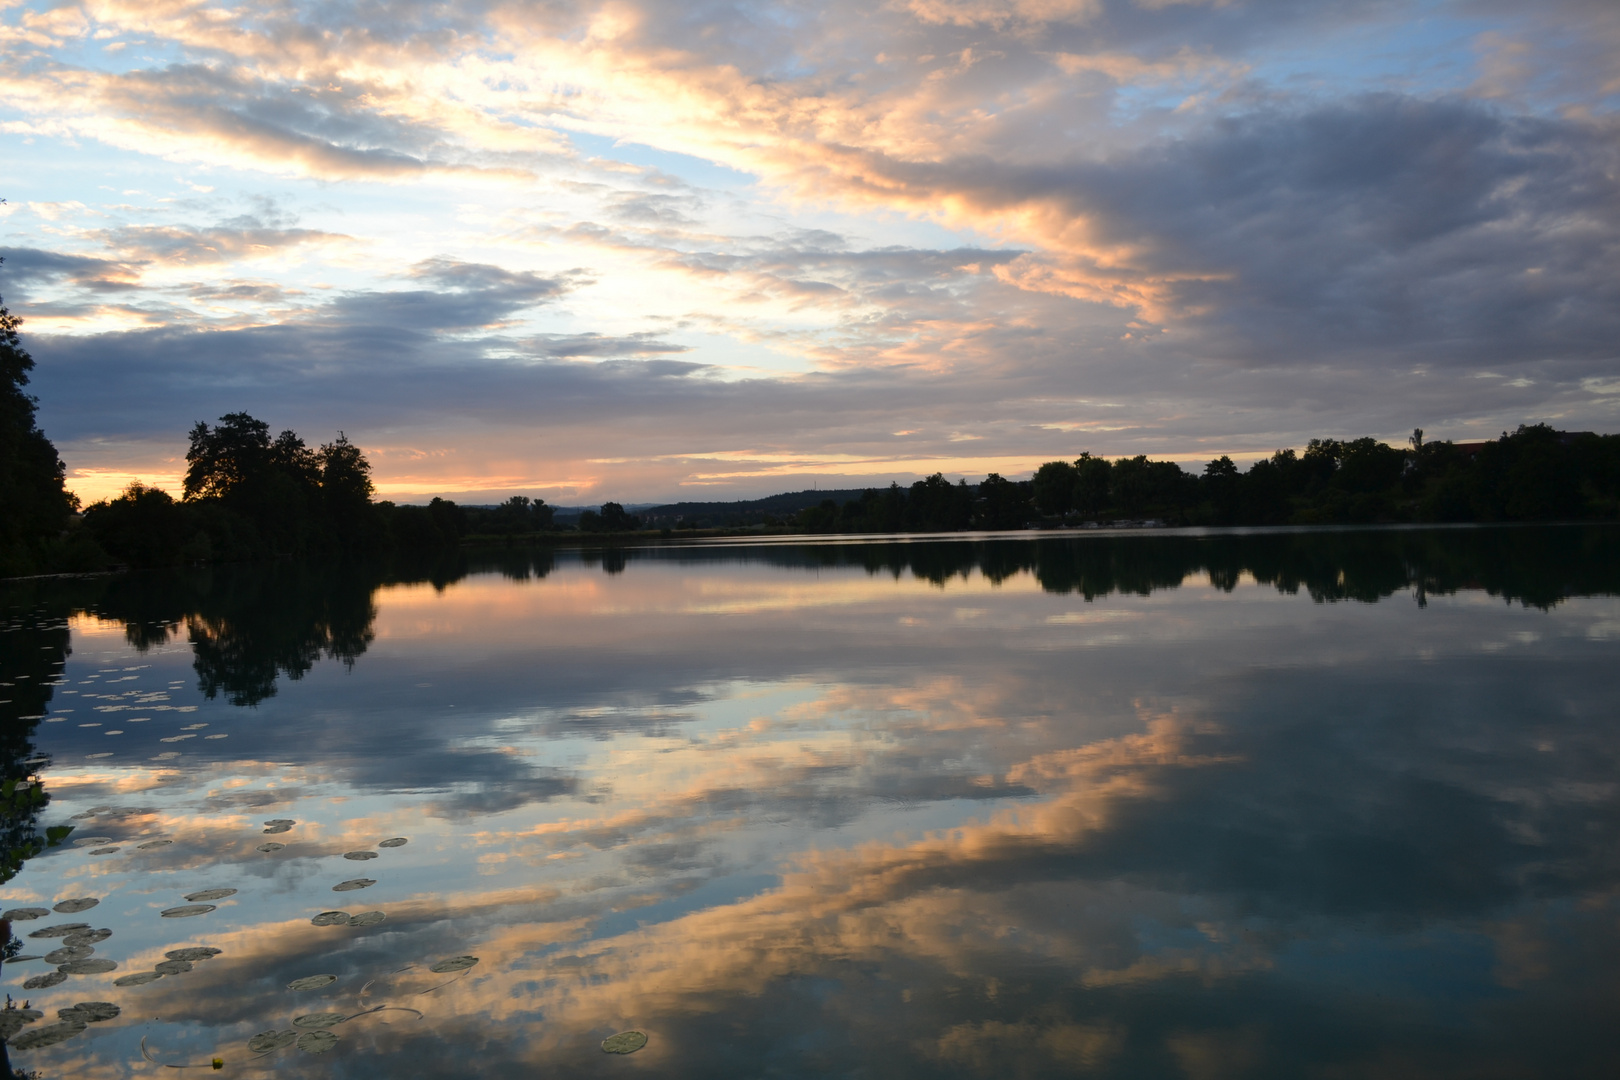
(248, 495)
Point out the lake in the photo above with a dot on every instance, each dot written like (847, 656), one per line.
(1296, 803)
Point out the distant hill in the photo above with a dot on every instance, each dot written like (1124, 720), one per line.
(745, 512)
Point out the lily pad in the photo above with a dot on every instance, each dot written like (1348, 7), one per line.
(211, 894)
(274, 829)
(140, 978)
(91, 841)
(316, 1042)
(367, 918)
(86, 937)
(194, 952)
(150, 844)
(73, 907)
(315, 1021)
(50, 978)
(398, 841)
(90, 1012)
(281, 821)
(269, 846)
(186, 911)
(266, 1041)
(89, 967)
(625, 1042)
(12, 1020)
(331, 918)
(359, 856)
(102, 850)
(25, 914)
(71, 952)
(455, 963)
(312, 982)
(47, 1036)
(353, 884)
(172, 967)
(60, 930)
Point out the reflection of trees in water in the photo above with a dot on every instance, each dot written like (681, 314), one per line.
(33, 648)
(251, 624)
(1537, 566)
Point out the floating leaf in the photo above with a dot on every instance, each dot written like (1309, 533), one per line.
(72, 952)
(88, 841)
(194, 952)
(270, 846)
(73, 907)
(359, 856)
(150, 844)
(60, 930)
(211, 894)
(353, 884)
(315, 1021)
(46, 1036)
(92, 757)
(172, 967)
(23, 959)
(177, 738)
(12, 1021)
(103, 850)
(186, 911)
(367, 918)
(86, 937)
(317, 1042)
(140, 978)
(398, 841)
(25, 914)
(312, 982)
(90, 1012)
(331, 918)
(266, 1041)
(276, 829)
(89, 967)
(455, 963)
(167, 755)
(625, 1042)
(281, 821)
(40, 982)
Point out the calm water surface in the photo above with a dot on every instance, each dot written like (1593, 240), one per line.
(1299, 804)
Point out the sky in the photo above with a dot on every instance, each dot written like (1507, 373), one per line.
(650, 251)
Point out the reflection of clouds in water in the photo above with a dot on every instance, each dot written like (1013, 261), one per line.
(969, 848)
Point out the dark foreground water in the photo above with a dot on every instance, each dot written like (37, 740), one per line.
(1293, 805)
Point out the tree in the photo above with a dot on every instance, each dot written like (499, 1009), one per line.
(1093, 477)
(36, 505)
(223, 459)
(1054, 488)
(1002, 504)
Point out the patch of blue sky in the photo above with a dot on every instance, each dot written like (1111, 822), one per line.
(699, 172)
(114, 56)
(1431, 54)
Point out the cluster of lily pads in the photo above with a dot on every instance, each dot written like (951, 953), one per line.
(75, 954)
(69, 1022)
(310, 1032)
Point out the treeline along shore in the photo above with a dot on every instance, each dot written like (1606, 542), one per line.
(249, 495)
